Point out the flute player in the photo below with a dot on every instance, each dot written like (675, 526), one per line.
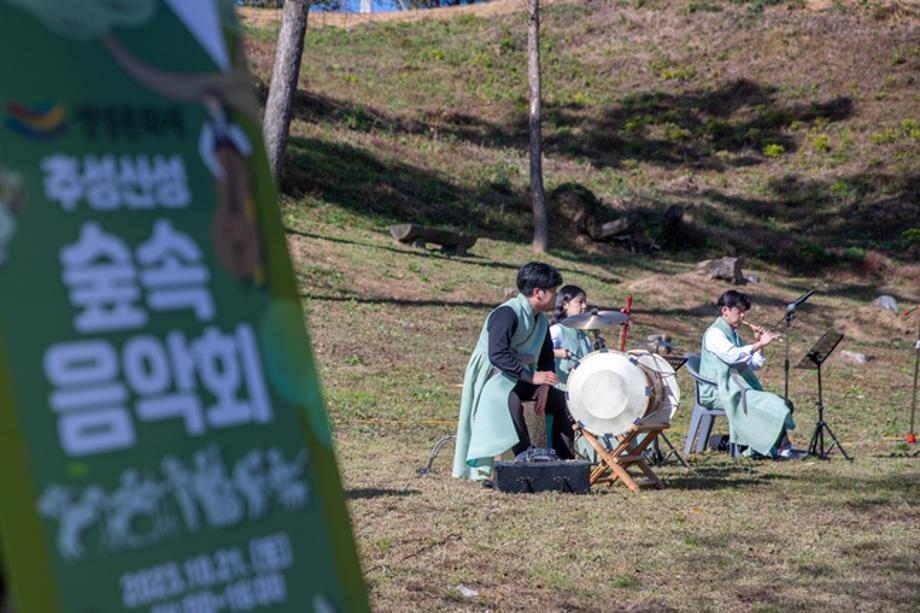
(757, 419)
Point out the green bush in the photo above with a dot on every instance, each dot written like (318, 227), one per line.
(674, 132)
(851, 256)
(813, 252)
(885, 137)
(773, 150)
(911, 236)
(707, 7)
(753, 135)
(821, 143)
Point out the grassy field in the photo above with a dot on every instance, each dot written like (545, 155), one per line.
(789, 136)
(392, 329)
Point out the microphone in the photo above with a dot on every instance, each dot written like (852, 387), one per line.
(798, 301)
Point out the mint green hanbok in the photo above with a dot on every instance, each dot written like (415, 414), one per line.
(485, 428)
(755, 417)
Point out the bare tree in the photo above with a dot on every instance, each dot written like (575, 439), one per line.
(283, 88)
(538, 198)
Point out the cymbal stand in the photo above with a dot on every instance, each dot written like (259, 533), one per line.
(659, 458)
(625, 324)
(599, 342)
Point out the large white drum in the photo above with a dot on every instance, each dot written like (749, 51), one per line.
(608, 392)
(664, 390)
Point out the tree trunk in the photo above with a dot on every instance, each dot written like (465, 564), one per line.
(538, 198)
(281, 93)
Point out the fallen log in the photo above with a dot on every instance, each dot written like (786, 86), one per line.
(610, 229)
(420, 235)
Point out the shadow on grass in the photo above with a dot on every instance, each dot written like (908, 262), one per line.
(794, 219)
(708, 478)
(470, 258)
(651, 126)
(391, 191)
(810, 224)
(371, 492)
(697, 127)
(469, 304)
(870, 494)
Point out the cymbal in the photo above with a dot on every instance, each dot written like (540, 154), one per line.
(595, 321)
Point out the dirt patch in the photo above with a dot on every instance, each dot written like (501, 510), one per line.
(681, 291)
(871, 324)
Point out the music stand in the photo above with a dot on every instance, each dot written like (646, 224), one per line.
(816, 356)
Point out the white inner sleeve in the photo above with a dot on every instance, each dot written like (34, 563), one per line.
(716, 342)
(555, 332)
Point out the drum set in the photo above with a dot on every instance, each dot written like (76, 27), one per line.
(621, 402)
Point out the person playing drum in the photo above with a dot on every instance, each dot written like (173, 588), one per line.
(757, 419)
(569, 344)
(512, 362)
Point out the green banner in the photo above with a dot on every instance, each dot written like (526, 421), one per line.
(163, 441)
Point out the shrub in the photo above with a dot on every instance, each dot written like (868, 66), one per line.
(813, 252)
(753, 135)
(911, 236)
(707, 7)
(773, 150)
(885, 137)
(674, 132)
(821, 143)
(852, 256)
(682, 72)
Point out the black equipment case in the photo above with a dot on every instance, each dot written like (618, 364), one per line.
(534, 471)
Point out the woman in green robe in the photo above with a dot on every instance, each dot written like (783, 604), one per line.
(569, 347)
(569, 344)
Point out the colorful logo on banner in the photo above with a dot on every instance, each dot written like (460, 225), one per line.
(43, 120)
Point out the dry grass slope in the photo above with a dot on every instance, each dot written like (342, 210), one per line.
(787, 135)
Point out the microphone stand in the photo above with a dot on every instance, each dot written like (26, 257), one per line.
(912, 436)
(790, 315)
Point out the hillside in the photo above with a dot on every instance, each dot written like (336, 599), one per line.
(785, 133)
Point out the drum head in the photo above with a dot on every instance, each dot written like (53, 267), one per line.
(607, 392)
(665, 391)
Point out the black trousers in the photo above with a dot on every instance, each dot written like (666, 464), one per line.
(561, 434)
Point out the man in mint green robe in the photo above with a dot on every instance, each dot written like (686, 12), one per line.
(512, 362)
(757, 419)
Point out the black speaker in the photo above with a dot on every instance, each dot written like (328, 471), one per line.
(570, 476)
